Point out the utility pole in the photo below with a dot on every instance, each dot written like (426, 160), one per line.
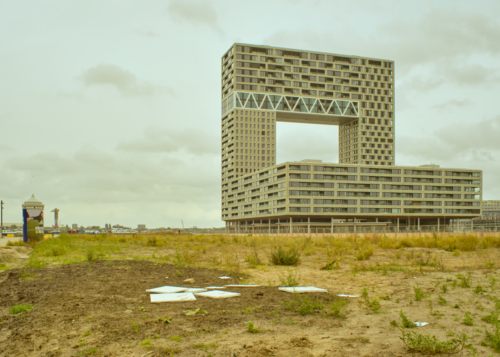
(1, 219)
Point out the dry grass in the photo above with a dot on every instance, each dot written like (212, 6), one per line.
(433, 278)
(235, 253)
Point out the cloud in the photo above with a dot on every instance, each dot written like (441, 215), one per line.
(146, 32)
(195, 13)
(174, 140)
(440, 35)
(452, 103)
(123, 81)
(467, 141)
(5, 148)
(113, 186)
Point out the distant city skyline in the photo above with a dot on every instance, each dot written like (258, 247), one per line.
(108, 117)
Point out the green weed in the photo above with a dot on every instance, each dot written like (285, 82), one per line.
(25, 275)
(464, 280)
(17, 309)
(468, 320)
(289, 278)
(87, 352)
(478, 290)
(427, 344)
(303, 305)
(252, 329)
(442, 300)
(206, 346)
(194, 312)
(338, 309)
(146, 343)
(176, 338)
(419, 294)
(370, 304)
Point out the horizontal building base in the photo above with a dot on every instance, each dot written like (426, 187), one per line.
(333, 225)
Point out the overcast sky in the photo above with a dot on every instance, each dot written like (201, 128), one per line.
(110, 110)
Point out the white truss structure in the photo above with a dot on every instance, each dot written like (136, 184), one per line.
(290, 103)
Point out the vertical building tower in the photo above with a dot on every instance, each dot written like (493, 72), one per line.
(262, 85)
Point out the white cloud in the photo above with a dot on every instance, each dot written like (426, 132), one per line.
(200, 12)
(123, 81)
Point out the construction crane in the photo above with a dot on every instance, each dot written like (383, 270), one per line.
(56, 217)
(183, 229)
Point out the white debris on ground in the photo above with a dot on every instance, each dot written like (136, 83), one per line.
(170, 293)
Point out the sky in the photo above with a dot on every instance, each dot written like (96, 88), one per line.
(110, 110)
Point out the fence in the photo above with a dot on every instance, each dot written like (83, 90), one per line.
(491, 228)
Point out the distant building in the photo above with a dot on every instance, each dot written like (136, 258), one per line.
(11, 225)
(74, 226)
(141, 227)
(491, 208)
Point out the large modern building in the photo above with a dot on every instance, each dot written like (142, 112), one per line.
(491, 208)
(263, 85)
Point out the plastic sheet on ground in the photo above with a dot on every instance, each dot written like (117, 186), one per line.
(195, 290)
(303, 289)
(344, 295)
(215, 287)
(224, 277)
(172, 297)
(421, 323)
(218, 294)
(167, 289)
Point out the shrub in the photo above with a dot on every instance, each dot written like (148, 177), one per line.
(282, 256)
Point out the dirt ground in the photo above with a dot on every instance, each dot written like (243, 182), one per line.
(101, 308)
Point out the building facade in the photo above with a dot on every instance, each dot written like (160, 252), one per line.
(263, 85)
(491, 208)
(310, 191)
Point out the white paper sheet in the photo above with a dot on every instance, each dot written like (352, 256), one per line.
(217, 294)
(167, 289)
(303, 289)
(172, 297)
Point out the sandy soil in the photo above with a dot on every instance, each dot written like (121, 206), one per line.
(102, 309)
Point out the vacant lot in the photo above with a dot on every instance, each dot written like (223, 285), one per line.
(85, 296)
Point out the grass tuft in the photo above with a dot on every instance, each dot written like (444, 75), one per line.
(282, 256)
(252, 329)
(17, 309)
(303, 305)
